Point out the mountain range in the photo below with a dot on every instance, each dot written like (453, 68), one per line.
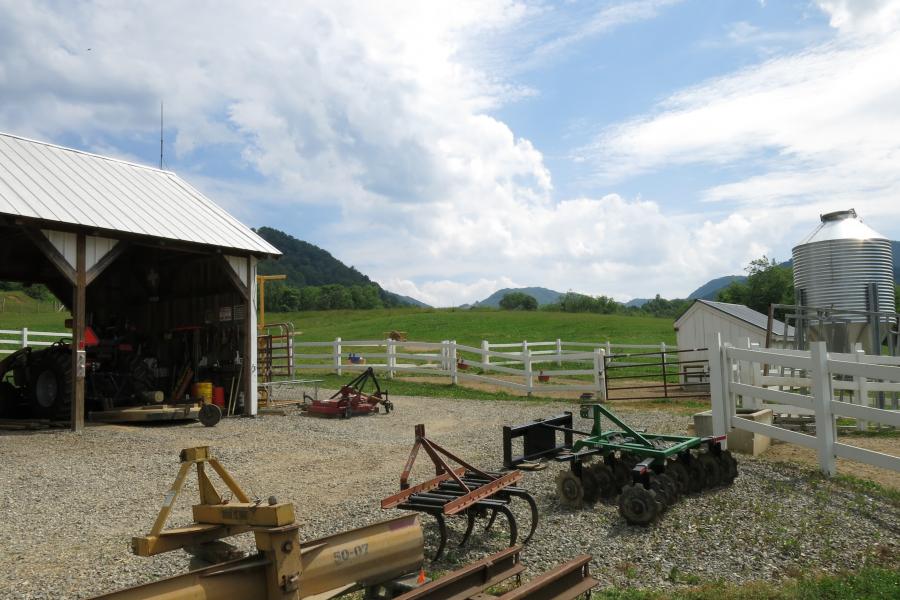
(542, 295)
(307, 264)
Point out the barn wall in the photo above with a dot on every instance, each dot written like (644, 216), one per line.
(696, 326)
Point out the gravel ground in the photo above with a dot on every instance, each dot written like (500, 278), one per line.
(70, 503)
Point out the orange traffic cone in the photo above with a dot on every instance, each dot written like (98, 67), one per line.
(421, 578)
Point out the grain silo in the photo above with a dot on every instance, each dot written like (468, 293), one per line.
(843, 272)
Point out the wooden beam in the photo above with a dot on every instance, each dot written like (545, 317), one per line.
(249, 338)
(78, 312)
(107, 259)
(52, 254)
(240, 285)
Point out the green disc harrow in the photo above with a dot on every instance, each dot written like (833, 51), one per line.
(646, 472)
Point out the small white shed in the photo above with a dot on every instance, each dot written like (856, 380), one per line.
(735, 322)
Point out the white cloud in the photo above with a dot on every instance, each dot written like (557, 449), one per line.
(381, 111)
(818, 129)
(859, 16)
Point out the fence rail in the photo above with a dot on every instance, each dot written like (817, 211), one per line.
(738, 379)
(548, 366)
(14, 339)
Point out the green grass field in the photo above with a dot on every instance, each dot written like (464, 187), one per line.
(470, 327)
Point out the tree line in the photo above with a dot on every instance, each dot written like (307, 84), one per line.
(333, 296)
(767, 282)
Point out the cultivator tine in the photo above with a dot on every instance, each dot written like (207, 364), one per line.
(442, 530)
(534, 516)
(469, 527)
(491, 520)
(513, 526)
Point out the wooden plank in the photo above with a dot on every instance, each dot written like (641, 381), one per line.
(107, 259)
(78, 323)
(51, 253)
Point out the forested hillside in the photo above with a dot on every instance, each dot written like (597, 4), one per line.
(318, 281)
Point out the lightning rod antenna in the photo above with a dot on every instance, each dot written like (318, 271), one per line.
(160, 135)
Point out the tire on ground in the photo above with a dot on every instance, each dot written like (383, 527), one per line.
(50, 386)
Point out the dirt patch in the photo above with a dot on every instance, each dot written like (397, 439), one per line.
(784, 452)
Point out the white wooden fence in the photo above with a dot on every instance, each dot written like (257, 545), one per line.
(13, 339)
(523, 368)
(737, 380)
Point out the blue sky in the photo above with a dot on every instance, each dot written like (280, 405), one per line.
(448, 149)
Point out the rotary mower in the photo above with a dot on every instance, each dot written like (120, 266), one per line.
(352, 399)
(646, 472)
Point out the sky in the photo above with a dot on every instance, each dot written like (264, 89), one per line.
(450, 149)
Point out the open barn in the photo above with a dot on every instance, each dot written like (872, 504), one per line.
(160, 282)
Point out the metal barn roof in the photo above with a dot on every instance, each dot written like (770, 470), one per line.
(52, 183)
(747, 315)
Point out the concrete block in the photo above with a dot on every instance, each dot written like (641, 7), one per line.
(744, 442)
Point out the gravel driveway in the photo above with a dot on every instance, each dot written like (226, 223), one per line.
(70, 503)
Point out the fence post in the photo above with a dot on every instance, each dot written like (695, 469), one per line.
(608, 348)
(755, 374)
(529, 373)
(600, 374)
(662, 353)
(559, 352)
(485, 358)
(821, 388)
(862, 388)
(24, 337)
(718, 379)
(391, 357)
(337, 357)
(454, 371)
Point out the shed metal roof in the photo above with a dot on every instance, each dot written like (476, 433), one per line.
(748, 315)
(52, 183)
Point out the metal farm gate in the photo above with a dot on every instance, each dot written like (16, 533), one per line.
(666, 374)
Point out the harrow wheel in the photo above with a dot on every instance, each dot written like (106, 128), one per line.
(729, 467)
(696, 477)
(638, 505)
(711, 469)
(664, 488)
(621, 474)
(590, 483)
(679, 475)
(569, 489)
(607, 485)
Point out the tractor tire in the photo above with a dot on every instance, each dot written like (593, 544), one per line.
(50, 384)
(10, 400)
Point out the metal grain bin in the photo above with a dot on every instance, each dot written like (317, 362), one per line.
(839, 266)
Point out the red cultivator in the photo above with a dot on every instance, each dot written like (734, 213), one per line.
(351, 400)
(465, 490)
